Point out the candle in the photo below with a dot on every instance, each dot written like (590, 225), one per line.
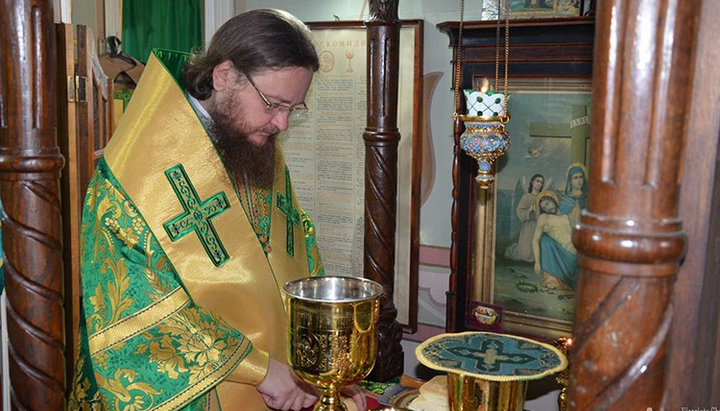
(484, 85)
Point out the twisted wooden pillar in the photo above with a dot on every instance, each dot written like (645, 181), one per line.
(381, 142)
(630, 239)
(30, 164)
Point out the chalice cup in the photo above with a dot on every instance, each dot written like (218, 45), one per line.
(332, 332)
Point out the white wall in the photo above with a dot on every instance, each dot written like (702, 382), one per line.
(85, 12)
(216, 13)
(435, 213)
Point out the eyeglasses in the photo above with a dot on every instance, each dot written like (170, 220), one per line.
(297, 112)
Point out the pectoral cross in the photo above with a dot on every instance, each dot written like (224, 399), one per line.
(293, 216)
(578, 131)
(197, 215)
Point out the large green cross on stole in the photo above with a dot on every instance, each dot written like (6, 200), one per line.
(292, 214)
(196, 215)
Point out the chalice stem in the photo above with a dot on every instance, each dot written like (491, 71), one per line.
(330, 401)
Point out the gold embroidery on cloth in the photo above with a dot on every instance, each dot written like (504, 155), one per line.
(122, 390)
(78, 399)
(132, 325)
(194, 389)
(201, 346)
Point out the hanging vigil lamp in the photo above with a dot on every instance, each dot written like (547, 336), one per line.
(485, 137)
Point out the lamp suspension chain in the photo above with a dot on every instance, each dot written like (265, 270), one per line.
(502, 12)
(507, 51)
(458, 62)
(497, 46)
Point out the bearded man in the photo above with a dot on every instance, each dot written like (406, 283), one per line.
(190, 229)
(555, 255)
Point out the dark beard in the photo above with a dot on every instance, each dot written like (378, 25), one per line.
(240, 156)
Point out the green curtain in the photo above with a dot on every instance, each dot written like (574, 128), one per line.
(168, 24)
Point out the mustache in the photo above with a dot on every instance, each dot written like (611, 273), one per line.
(270, 130)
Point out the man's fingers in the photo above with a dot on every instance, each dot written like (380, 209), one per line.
(267, 399)
(361, 401)
(272, 402)
(298, 402)
(309, 388)
(309, 400)
(288, 404)
(357, 395)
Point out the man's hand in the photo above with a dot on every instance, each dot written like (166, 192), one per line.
(357, 395)
(283, 390)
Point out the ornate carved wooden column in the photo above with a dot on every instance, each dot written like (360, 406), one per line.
(630, 239)
(30, 164)
(381, 142)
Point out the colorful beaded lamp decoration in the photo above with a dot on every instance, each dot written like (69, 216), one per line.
(485, 137)
(489, 371)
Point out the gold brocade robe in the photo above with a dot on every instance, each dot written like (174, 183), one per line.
(161, 174)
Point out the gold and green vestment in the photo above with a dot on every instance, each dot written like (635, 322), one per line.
(181, 304)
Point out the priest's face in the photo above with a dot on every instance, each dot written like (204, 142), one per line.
(244, 128)
(262, 103)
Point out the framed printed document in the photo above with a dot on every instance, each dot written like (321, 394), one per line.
(326, 154)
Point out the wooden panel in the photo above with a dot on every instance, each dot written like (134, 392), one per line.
(88, 126)
(542, 52)
(69, 188)
(84, 127)
(694, 355)
(107, 115)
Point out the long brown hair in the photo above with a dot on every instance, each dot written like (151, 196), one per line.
(252, 41)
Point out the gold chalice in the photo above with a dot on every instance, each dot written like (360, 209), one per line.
(332, 332)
